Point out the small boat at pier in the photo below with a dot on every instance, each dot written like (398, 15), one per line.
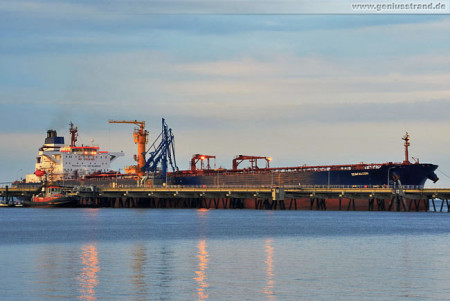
(52, 196)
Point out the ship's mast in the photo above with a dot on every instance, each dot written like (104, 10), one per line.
(73, 135)
(406, 138)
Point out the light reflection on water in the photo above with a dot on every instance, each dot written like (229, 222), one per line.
(88, 279)
(203, 257)
(268, 289)
(201, 277)
(222, 255)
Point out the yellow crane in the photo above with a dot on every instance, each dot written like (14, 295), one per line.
(140, 138)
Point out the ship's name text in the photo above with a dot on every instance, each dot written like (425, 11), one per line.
(365, 173)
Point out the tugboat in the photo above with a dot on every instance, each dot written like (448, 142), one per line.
(52, 196)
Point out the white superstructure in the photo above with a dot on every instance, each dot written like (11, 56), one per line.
(57, 161)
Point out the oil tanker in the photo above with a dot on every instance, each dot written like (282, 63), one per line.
(352, 175)
(75, 165)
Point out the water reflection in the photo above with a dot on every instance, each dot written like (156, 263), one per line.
(91, 212)
(46, 265)
(166, 271)
(203, 221)
(52, 269)
(201, 277)
(88, 279)
(268, 289)
(139, 262)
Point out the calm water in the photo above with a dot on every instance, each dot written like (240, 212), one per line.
(126, 254)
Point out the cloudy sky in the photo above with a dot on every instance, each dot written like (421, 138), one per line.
(302, 88)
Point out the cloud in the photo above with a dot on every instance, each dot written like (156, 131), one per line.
(151, 7)
(315, 80)
(288, 86)
(67, 10)
(294, 89)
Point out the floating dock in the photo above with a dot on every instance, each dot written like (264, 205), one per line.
(269, 198)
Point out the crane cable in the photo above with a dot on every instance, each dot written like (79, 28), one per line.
(443, 173)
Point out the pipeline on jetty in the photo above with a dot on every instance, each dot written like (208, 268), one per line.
(396, 198)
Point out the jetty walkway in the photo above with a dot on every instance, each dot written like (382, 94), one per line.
(258, 197)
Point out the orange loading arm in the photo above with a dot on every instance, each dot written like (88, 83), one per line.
(140, 138)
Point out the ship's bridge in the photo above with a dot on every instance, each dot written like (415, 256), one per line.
(83, 150)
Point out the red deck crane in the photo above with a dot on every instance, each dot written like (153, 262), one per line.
(253, 161)
(201, 158)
